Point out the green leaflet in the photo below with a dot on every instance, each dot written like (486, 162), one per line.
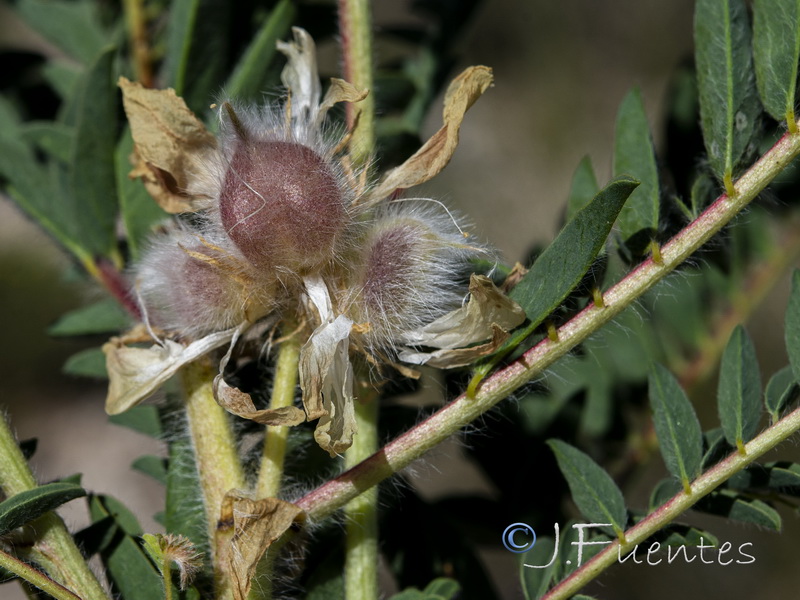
(584, 187)
(193, 66)
(250, 77)
(132, 573)
(565, 261)
(773, 475)
(634, 155)
(569, 549)
(140, 213)
(792, 326)
(32, 504)
(154, 466)
(184, 513)
(143, 418)
(33, 189)
(679, 435)
(739, 390)
(536, 578)
(72, 26)
(105, 316)
(593, 491)
(92, 179)
(728, 504)
(438, 589)
(781, 389)
(87, 363)
(53, 138)
(715, 446)
(61, 75)
(729, 106)
(776, 52)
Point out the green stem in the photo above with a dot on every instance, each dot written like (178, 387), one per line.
(217, 459)
(355, 32)
(457, 414)
(166, 575)
(275, 438)
(54, 549)
(35, 577)
(283, 394)
(361, 513)
(677, 505)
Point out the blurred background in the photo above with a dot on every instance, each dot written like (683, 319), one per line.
(561, 69)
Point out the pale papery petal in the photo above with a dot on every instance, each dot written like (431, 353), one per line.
(326, 375)
(470, 324)
(301, 79)
(434, 155)
(251, 526)
(239, 403)
(449, 358)
(340, 91)
(326, 378)
(135, 373)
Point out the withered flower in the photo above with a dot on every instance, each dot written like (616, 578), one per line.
(283, 224)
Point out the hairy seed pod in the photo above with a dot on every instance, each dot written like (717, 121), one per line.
(194, 289)
(281, 205)
(411, 262)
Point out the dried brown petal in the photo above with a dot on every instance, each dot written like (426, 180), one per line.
(341, 91)
(473, 323)
(168, 141)
(434, 155)
(135, 373)
(326, 375)
(239, 403)
(256, 524)
(447, 358)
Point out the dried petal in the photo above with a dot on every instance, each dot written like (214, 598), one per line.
(446, 358)
(256, 525)
(135, 373)
(168, 140)
(434, 155)
(326, 375)
(473, 323)
(239, 403)
(301, 79)
(340, 91)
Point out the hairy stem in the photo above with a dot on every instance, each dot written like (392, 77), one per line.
(677, 505)
(361, 513)
(54, 549)
(355, 31)
(214, 444)
(283, 393)
(414, 443)
(24, 571)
